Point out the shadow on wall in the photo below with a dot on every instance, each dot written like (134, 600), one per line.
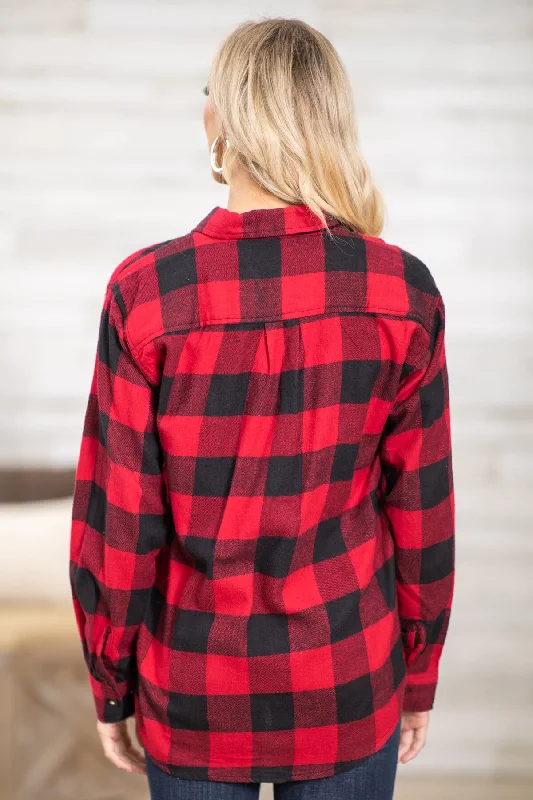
(29, 485)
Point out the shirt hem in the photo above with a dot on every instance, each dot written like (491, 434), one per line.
(249, 773)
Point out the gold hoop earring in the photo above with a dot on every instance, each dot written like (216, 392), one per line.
(214, 165)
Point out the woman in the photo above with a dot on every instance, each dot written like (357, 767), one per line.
(262, 550)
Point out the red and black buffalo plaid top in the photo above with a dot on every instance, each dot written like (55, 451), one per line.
(262, 544)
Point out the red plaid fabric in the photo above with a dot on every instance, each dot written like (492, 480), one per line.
(262, 545)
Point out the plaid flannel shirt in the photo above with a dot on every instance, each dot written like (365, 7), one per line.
(262, 543)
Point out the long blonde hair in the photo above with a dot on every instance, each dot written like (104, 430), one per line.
(286, 106)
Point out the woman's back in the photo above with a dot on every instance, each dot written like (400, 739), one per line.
(263, 516)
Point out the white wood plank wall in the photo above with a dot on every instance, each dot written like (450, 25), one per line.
(102, 151)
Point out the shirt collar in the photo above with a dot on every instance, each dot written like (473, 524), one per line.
(221, 223)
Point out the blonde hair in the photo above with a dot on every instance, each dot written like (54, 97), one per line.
(286, 106)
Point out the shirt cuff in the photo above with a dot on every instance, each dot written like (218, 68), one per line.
(114, 709)
(113, 702)
(419, 696)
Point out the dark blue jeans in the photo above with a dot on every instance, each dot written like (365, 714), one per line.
(372, 779)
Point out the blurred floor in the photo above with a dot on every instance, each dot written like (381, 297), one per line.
(462, 789)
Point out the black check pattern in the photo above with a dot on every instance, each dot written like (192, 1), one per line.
(262, 545)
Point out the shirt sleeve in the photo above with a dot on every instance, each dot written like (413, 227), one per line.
(120, 515)
(418, 499)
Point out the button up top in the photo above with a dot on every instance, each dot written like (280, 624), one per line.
(262, 544)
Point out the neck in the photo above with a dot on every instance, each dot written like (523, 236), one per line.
(246, 195)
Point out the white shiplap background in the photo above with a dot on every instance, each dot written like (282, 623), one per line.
(102, 151)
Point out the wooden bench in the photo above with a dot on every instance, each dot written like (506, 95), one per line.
(49, 747)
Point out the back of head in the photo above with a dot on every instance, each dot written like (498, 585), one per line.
(286, 106)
